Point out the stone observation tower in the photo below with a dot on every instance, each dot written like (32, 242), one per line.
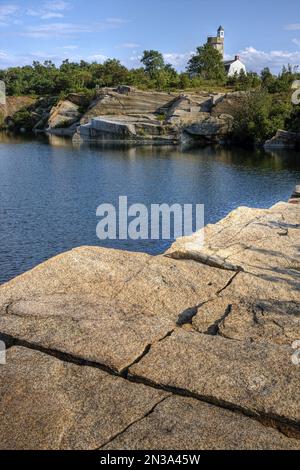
(218, 41)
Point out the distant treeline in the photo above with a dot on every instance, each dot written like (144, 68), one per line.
(205, 70)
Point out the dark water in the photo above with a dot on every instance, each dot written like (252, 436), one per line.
(49, 191)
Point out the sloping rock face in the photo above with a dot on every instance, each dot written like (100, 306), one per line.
(159, 117)
(12, 105)
(63, 115)
(114, 350)
(114, 102)
(15, 103)
(66, 113)
(284, 139)
(128, 114)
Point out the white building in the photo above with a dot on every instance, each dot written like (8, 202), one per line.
(235, 66)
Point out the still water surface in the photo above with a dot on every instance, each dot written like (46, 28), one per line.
(49, 190)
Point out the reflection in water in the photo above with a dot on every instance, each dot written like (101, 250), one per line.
(49, 190)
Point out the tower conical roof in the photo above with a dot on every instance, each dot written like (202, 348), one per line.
(221, 28)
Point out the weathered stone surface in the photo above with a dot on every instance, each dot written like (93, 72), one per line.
(188, 108)
(259, 379)
(210, 315)
(210, 128)
(284, 139)
(273, 322)
(107, 129)
(251, 238)
(217, 326)
(169, 288)
(249, 319)
(15, 103)
(46, 403)
(160, 117)
(180, 423)
(102, 305)
(11, 106)
(136, 102)
(264, 297)
(63, 115)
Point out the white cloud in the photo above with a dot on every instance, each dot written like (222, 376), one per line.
(3, 55)
(116, 21)
(14, 60)
(97, 58)
(51, 30)
(130, 45)
(71, 47)
(6, 12)
(176, 59)
(48, 16)
(57, 5)
(296, 41)
(256, 60)
(50, 10)
(293, 27)
(64, 30)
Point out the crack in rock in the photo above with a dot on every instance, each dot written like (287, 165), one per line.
(124, 371)
(134, 422)
(286, 428)
(214, 329)
(228, 283)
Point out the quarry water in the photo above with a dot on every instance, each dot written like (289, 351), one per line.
(50, 190)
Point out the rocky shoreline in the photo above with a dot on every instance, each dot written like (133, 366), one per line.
(188, 350)
(128, 115)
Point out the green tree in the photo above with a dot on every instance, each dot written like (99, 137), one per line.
(208, 63)
(153, 62)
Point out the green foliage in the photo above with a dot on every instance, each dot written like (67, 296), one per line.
(259, 116)
(279, 84)
(24, 119)
(266, 107)
(244, 82)
(208, 64)
(153, 62)
(293, 121)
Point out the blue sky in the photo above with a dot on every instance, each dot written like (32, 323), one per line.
(263, 32)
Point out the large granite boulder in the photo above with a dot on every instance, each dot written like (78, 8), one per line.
(210, 129)
(259, 246)
(11, 106)
(55, 404)
(63, 115)
(114, 102)
(16, 103)
(181, 423)
(188, 108)
(283, 140)
(113, 350)
(161, 117)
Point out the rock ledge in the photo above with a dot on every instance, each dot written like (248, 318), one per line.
(188, 350)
